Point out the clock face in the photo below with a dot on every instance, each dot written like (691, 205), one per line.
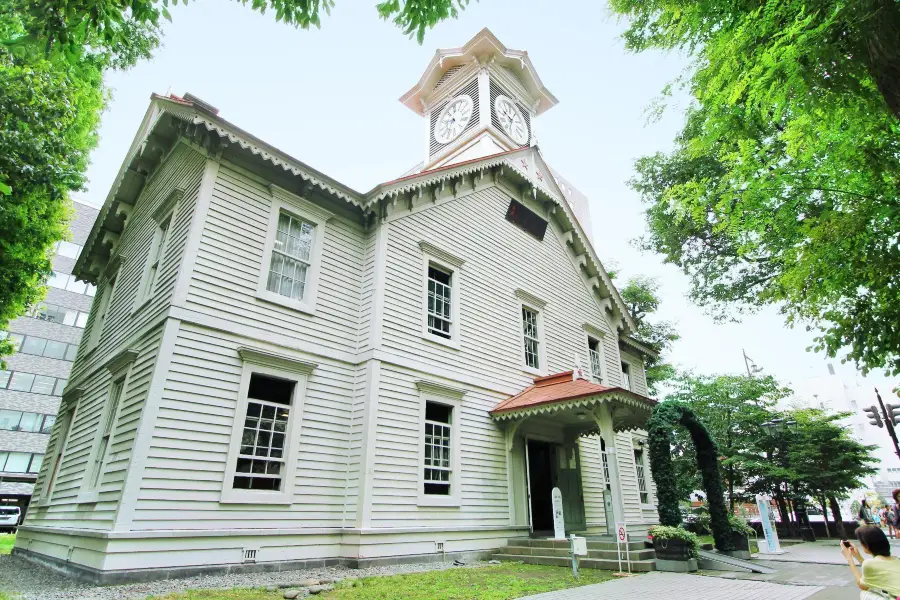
(511, 120)
(453, 119)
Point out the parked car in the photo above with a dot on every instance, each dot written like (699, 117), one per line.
(9, 518)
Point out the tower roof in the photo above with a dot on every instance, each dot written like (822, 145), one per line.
(483, 47)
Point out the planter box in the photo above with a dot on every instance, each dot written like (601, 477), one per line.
(678, 550)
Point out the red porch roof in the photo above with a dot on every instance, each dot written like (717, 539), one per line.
(558, 388)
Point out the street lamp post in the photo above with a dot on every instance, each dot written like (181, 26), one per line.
(774, 428)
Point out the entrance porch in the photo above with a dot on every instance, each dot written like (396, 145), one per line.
(561, 433)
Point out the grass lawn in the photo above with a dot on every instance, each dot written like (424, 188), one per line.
(6, 543)
(495, 582)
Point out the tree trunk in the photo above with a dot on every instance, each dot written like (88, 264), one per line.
(782, 509)
(825, 515)
(731, 489)
(838, 519)
(883, 49)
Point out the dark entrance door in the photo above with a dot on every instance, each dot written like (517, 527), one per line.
(541, 476)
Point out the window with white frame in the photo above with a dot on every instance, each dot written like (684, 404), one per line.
(595, 354)
(532, 340)
(626, 375)
(291, 256)
(59, 443)
(640, 471)
(438, 463)
(440, 302)
(439, 447)
(106, 430)
(156, 255)
(262, 457)
(293, 250)
(102, 312)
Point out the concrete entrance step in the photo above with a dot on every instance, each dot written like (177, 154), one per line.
(642, 554)
(592, 544)
(638, 566)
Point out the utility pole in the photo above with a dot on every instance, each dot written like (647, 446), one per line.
(891, 418)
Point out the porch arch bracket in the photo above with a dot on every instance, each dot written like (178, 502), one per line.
(511, 430)
(665, 418)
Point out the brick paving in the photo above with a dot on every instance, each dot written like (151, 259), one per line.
(669, 586)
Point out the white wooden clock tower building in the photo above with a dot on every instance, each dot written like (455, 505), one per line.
(282, 371)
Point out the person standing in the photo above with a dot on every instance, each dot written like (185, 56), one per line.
(895, 509)
(880, 576)
(865, 513)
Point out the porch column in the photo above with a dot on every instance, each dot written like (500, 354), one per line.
(603, 417)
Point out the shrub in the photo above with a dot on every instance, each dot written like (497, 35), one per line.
(739, 525)
(665, 532)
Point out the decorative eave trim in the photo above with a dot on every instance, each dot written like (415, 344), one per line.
(243, 139)
(629, 399)
(440, 254)
(166, 206)
(114, 264)
(439, 389)
(629, 341)
(529, 298)
(595, 331)
(72, 395)
(272, 359)
(279, 193)
(121, 360)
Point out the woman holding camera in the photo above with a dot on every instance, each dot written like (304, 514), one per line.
(880, 576)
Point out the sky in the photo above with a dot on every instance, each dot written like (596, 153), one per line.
(328, 97)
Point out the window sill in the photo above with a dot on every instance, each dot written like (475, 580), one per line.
(88, 498)
(232, 496)
(428, 501)
(533, 371)
(453, 344)
(303, 307)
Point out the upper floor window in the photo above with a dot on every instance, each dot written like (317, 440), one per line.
(154, 258)
(441, 284)
(293, 252)
(265, 436)
(626, 376)
(14, 420)
(595, 354)
(68, 249)
(532, 338)
(19, 381)
(102, 312)
(58, 314)
(532, 335)
(291, 255)
(38, 346)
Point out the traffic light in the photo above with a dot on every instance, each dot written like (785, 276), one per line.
(893, 413)
(874, 417)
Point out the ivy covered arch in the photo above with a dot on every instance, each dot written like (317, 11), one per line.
(666, 417)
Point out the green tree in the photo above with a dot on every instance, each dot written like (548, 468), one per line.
(49, 110)
(733, 409)
(782, 187)
(641, 296)
(826, 461)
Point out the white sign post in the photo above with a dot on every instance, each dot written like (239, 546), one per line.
(622, 540)
(770, 533)
(559, 523)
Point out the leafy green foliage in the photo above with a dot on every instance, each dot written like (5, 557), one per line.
(783, 186)
(666, 416)
(667, 532)
(739, 525)
(49, 111)
(415, 16)
(732, 407)
(641, 296)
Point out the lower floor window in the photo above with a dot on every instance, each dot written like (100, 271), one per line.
(438, 463)
(641, 478)
(261, 458)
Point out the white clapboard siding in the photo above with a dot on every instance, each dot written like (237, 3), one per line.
(367, 291)
(228, 266)
(186, 459)
(183, 168)
(483, 494)
(499, 258)
(75, 465)
(592, 483)
(637, 375)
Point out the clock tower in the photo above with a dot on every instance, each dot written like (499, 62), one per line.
(477, 100)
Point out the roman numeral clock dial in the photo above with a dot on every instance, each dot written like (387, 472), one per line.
(453, 119)
(511, 120)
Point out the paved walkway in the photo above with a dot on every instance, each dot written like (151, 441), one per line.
(669, 586)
